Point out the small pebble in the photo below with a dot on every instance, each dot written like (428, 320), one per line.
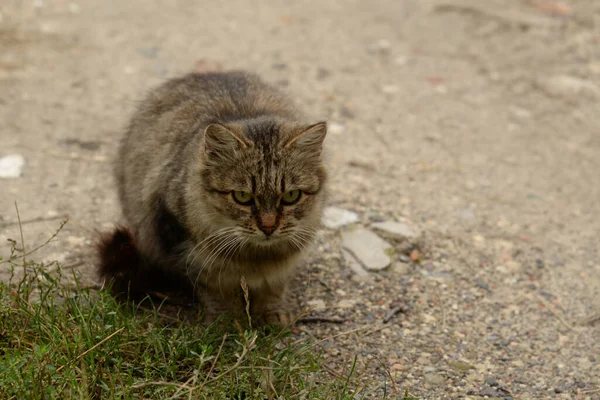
(482, 284)
(423, 361)
(11, 166)
(401, 60)
(434, 379)
(401, 268)
(374, 216)
(390, 89)
(335, 128)
(382, 46)
(346, 303)
(414, 255)
(461, 366)
(316, 305)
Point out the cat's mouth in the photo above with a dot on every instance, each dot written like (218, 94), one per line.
(268, 240)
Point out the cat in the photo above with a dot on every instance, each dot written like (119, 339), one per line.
(222, 185)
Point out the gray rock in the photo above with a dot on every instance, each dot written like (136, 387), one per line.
(11, 166)
(351, 262)
(397, 229)
(401, 268)
(370, 250)
(335, 217)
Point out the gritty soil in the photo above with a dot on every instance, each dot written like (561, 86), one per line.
(478, 121)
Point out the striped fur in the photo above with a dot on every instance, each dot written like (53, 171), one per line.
(191, 143)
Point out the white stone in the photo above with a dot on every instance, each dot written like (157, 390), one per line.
(370, 250)
(384, 44)
(401, 60)
(11, 166)
(396, 229)
(351, 262)
(346, 303)
(316, 305)
(335, 128)
(390, 89)
(75, 241)
(335, 217)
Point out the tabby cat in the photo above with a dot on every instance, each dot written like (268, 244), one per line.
(221, 183)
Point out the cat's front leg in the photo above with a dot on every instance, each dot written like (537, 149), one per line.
(216, 303)
(271, 304)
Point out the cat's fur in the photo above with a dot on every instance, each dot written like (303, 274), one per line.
(191, 143)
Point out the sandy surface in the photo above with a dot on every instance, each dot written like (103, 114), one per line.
(479, 121)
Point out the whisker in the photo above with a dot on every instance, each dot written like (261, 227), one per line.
(219, 243)
(210, 239)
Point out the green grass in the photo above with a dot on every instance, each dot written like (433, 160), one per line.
(61, 340)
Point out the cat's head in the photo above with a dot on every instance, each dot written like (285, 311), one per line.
(263, 179)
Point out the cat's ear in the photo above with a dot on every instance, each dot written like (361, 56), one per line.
(219, 140)
(310, 138)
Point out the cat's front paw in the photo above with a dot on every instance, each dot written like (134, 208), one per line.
(277, 316)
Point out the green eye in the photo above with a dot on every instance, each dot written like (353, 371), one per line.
(291, 197)
(243, 198)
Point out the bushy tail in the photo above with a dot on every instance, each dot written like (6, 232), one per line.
(129, 274)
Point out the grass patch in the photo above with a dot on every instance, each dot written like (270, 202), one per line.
(61, 340)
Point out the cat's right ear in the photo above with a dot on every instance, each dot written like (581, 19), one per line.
(220, 141)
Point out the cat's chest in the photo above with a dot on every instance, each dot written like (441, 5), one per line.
(257, 271)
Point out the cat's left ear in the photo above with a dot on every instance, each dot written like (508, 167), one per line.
(310, 138)
(222, 141)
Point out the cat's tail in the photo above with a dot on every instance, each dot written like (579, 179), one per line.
(129, 275)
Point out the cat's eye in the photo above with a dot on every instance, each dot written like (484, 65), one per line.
(243, 198)
(291, 197)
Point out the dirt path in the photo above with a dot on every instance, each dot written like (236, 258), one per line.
(480, 123)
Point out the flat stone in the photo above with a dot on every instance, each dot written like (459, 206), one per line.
(351, 262)
(336, 217)
(316, 305)
(397, 229)
(11, 166)
(370, 250)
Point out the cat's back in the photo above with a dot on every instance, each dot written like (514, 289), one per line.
(219, 96)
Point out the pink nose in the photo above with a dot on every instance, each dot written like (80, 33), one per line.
(267, 222)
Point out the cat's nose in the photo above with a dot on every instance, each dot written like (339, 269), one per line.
(268, 222)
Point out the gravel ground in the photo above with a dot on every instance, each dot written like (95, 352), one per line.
(468, 128)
